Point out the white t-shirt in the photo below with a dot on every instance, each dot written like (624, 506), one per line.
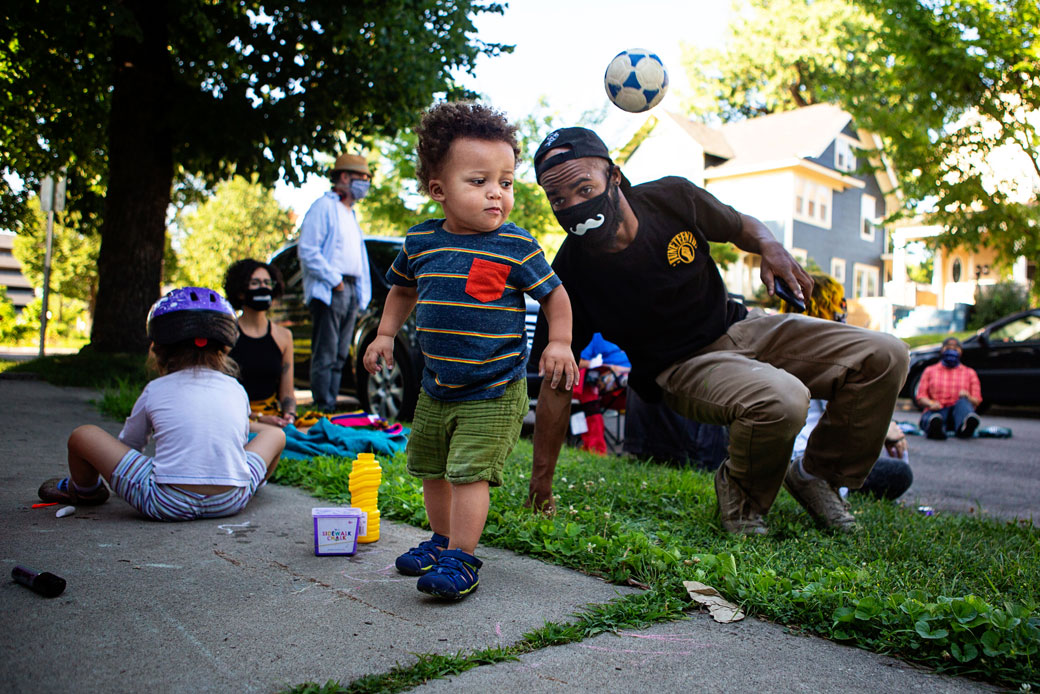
(348, 260)
(200, 420)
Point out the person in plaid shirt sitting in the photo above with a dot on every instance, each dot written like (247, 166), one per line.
(949, 391)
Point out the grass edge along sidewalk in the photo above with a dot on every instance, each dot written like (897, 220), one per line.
(955, 593)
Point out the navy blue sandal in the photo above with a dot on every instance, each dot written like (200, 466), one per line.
(454, 577)
(419, 560)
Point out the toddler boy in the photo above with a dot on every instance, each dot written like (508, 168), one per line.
(465, 275)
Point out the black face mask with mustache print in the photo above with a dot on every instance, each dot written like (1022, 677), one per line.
(594, 221)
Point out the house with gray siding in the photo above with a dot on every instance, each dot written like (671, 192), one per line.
(799, 172)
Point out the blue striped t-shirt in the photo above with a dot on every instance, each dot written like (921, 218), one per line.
(470, 311)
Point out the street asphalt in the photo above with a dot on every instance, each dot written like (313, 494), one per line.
(242, 604)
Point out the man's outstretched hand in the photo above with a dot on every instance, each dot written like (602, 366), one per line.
(540, 499)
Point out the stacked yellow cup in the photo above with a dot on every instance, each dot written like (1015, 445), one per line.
(364, 480)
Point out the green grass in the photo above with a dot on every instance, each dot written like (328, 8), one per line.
(119, 377)
(935, 338)
(86, 369)
(958, 593)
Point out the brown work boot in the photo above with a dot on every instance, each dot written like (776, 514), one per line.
(738, 513)
(820, 499)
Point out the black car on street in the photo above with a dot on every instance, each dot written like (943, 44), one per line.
(1006, 355)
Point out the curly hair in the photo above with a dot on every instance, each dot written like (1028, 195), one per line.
(236, 281)
(446, 122)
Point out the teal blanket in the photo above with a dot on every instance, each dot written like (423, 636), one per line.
(326, 438)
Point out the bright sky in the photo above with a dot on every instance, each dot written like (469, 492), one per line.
(562, 50)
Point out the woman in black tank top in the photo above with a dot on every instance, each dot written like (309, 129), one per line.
(264, 350)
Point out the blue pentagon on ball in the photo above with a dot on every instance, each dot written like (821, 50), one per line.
(636, 80)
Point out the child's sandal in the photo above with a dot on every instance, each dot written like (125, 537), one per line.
(62, 490)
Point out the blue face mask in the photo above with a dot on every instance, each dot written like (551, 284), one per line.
(359, 188)
(950, 358)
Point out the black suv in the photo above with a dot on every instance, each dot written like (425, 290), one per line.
(391, 395)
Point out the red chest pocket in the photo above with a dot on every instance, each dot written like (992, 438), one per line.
(486, 280)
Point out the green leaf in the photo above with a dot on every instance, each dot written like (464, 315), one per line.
(844, 614)
(964, 653)
(925, 630)
(867, 608)
(992, 645)
(963, 611)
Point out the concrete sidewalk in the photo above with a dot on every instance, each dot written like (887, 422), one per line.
(242, 604)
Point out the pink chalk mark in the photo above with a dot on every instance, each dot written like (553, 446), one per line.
(635, 651)
(665, 638)
(498, 629)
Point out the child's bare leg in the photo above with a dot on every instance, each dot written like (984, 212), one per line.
(437, 497)
(268, 443)
(469, 510)
(93, 451)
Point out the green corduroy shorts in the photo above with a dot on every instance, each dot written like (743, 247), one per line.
(468, 441)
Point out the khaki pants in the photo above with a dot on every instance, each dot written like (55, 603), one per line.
(758, 378)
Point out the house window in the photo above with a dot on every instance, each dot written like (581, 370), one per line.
(812, 203)
(868, 219)
(838, 269)
(955, 271)
(844, 156)
(801, 255)
(865, 281)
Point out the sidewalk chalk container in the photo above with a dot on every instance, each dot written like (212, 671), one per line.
(44, 583)
(364, 480)
(336, 531)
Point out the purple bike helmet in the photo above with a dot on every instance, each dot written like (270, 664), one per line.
(192, 313)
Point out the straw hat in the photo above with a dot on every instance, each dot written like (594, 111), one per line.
(351, 162)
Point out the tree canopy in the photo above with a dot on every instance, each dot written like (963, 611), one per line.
(778, 55)
(241, 220)
(73, 256)
(131, 94)
(951, 86)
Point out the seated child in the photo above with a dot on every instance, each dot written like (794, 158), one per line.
(198, 414)
(466, 275)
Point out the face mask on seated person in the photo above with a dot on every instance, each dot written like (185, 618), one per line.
(950, 358)
(258, 299)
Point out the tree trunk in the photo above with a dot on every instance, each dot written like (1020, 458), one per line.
(140, 176)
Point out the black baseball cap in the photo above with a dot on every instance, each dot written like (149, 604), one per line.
(581, 141)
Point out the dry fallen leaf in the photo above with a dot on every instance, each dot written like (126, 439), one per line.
(721, 610)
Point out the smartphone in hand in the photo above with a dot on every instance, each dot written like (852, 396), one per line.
(785, 293)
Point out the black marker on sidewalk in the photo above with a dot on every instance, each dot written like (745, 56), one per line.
(46, 584)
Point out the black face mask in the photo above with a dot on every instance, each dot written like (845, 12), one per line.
(258, 299)
(595, 221)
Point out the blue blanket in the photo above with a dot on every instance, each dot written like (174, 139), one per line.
(326, 438)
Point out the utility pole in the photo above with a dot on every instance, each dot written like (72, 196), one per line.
(52, 199)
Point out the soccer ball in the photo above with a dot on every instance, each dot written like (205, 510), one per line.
(636, 80)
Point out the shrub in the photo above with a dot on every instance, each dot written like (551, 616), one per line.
(997, 301)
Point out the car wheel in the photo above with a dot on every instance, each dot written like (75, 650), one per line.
(915, 380)
(390, 394)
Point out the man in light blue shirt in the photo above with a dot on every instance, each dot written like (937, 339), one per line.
(336, 281)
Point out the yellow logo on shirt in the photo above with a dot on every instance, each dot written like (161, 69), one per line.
(682, 248)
